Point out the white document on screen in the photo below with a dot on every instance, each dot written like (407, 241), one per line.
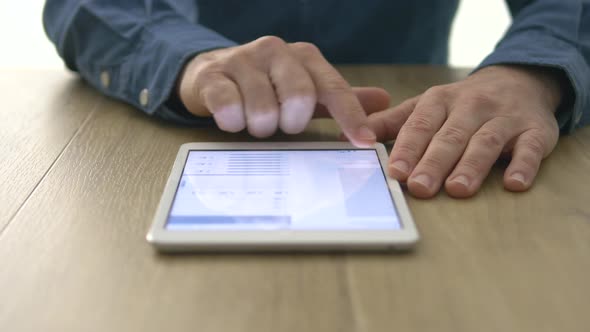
(283, 189)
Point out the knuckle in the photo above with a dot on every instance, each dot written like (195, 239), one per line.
(471, 165)
(529, 161)
(302, 88)
(235, 63)
(305, 49)
(481, 100)
(405, 148)
(269, 44)
(207, 70)
(452, 136)
(436, 92)
(335, 85)
(420, 125)
(209, 56)
(534, 144)
(432, 162)
(489, 138)
(210, 70)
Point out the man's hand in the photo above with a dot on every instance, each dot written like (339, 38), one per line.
(268, 84)
(453, 134)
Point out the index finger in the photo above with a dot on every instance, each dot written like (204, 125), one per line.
(336, 95)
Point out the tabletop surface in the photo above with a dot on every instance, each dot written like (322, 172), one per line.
(81, 175)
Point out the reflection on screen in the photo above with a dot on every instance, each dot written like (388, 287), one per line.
(283, 189)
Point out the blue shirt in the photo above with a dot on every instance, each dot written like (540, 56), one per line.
(133, 50)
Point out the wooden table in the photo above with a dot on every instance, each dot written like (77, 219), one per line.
(80, 177)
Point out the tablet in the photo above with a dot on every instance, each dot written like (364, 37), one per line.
(281, 196)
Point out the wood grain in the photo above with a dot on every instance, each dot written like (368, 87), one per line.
(41, 111)
(74, 258)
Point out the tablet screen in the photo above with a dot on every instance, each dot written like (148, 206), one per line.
(282, 189)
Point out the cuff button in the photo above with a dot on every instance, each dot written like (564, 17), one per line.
(144, 97)
(105, 79)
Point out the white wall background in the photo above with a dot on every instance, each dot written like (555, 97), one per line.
(24, 43)
(479, 25)
(477, 28)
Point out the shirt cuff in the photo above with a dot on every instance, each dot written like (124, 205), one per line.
(539, 49)
(147, 77)
(173, 110)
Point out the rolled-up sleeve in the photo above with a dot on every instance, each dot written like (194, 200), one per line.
(131, 50)
(556, 34)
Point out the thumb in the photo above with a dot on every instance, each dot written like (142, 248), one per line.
(387, 124)
(372, 100)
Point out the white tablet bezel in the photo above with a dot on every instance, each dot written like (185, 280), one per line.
(219, 240)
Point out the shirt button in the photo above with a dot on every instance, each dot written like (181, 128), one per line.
(105, 79)
(144, 97)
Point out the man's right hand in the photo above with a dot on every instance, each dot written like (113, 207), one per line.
(269, 84)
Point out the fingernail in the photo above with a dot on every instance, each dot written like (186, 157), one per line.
(401, 166)
(230, 118)
(518, 177)
(462, 179)
(424, 180)
(296, 113)
(366, 134)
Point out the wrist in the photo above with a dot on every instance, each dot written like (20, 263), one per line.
(549, 83)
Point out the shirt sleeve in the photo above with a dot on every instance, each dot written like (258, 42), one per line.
(555, 34)
(131, 50)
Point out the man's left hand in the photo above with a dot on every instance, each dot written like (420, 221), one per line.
(453, 134)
